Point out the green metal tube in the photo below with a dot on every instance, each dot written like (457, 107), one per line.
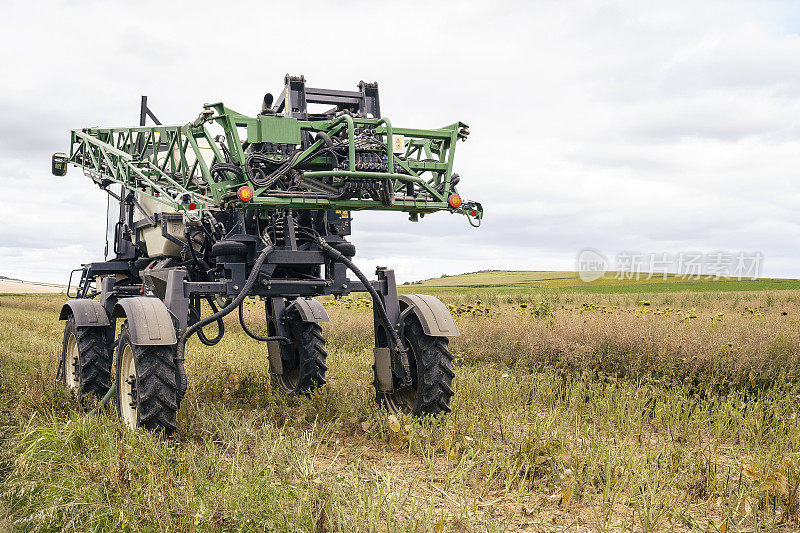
(351, 137)
(389, 148)
(111, 392)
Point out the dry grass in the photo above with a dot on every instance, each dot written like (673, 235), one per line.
(714, 342)
(582, 419)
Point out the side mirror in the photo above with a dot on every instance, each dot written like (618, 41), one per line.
(60, 161)
(266, 105)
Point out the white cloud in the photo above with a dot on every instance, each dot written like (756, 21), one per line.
(621, 125)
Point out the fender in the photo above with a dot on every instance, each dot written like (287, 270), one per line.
(149, 320)
(434, 316)
(86, 312)
(310, 310)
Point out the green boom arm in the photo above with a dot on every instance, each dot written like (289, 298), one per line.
(184, 166)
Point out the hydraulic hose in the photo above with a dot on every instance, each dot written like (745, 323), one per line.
(279, 172)
(219, 168)
(255, 335)
(220, 325)
(325, 138)
(344, 194)
(198, 262)
(377, 304)
(181, 348)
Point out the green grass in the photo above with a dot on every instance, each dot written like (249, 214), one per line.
(521, 282)
(496, 277)
(600, 412)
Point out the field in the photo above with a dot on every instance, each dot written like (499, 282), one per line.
(13, 286)
(523, 282)
(620, 407)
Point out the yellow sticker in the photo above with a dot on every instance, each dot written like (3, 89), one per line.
(398, 144)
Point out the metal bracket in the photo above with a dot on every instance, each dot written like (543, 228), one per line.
(383, 369)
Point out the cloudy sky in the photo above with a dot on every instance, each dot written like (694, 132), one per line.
(621, 126)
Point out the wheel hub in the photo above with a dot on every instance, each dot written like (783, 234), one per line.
(128, 396)
(72, 374)
(131, 381)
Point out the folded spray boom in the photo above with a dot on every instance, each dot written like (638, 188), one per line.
(342, 159)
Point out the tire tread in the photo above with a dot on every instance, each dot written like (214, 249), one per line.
(434, 367)
(312, 354)
(156, 385)
(94, 356)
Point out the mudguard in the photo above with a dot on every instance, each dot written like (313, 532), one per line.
(149, 320)
(310, 310)
(434, 316)
(86, 312)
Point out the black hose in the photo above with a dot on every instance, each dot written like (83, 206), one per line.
(328, 147)
(377, 304)
(279, 172)
(220, 168)
(255, 335)
(276, 174)
(181, 348)
(326, 138)
(228, 156)
(220, 325)
(200, 264)
(60, 367)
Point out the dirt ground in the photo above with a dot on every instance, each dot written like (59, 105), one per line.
(12, 286)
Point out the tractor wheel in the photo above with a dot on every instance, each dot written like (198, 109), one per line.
(304, 361)
(86, 358)
(431, 375)
(147, 388)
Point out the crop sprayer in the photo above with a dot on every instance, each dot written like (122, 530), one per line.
(230, 207)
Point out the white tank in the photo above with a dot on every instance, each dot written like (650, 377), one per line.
(157, 244)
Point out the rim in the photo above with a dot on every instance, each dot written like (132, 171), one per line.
(71, 363)
(127, 388)
(289, 379)
(403, 402)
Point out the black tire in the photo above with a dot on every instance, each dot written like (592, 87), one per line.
(304, 360)
(150, 389)
(89, 364)
(431, 373)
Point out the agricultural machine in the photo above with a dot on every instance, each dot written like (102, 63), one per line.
(230, 207)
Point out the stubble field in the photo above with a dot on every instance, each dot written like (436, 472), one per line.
(664, 411)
